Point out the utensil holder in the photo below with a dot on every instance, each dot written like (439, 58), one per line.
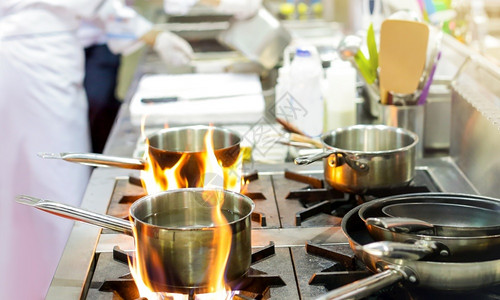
(410, 117)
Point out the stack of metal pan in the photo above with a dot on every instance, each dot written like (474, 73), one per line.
(434, 240)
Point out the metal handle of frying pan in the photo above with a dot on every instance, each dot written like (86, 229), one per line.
(367, 286)
(97, 160)
(359, 165)
(414, 250)
(399, 224)
(78, 214)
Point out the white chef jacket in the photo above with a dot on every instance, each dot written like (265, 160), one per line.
(43, 108)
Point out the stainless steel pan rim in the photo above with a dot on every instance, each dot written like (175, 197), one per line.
(156, 139)
(485, 218)
(374, 209)
(453, 276)
(134, 207)
(400, 131)
(442, 248)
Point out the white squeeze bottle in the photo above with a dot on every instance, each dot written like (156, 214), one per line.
(304, 92)
(281, 92)
(340, 95)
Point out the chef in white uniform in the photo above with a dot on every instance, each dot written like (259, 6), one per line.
(43, 108)
(240, 9)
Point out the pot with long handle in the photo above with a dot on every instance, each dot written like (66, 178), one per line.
(174, 235)
(167, 146)
(475, 273)
(446, 245)
(360, 158)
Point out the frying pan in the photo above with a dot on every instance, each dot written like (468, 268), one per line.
(444, 244)
(166, 147)
(174, 235)
(474, 273)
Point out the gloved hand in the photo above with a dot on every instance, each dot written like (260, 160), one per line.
(172, 49)
(178, 7)
(241, 9)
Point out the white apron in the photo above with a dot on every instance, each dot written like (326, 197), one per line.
(43, 108)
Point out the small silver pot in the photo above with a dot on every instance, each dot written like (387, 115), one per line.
(167, 146)
(174, 235)
(366, 157)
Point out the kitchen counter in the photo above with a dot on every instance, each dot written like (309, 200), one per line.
(86, 242)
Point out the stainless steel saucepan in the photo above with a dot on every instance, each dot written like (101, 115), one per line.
(444, 243)
(475, 273)
(166, 147)
(175, 235)
(366, 157)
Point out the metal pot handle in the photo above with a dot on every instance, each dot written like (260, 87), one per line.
(78, 214)
(414, 250)
(357, 164)
(367, 286)
(396, 224)
(97, 160)
(309, 159)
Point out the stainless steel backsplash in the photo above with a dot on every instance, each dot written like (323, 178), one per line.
(475, 124)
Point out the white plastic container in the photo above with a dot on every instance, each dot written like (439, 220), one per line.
(339, 92)
(281, 89)
(299, 98)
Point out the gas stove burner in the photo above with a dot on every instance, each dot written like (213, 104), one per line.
(318, 197)
(255, 285)
(346, 268)
(256, 216)
(250, 176)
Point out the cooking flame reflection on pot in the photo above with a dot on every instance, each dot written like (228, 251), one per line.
(220, 245)
(192, 169)
(213, 176)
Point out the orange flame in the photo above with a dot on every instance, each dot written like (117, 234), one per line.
(222, 231)
(158, 178)
(221, 244)
(244, 185)
(213, 175)
(155, 179)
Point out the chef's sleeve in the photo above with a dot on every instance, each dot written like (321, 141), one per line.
(240, 9)
(123, 26)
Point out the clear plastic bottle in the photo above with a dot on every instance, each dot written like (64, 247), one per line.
(340, 95)
(302, 102)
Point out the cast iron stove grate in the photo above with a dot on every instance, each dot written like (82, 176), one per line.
(348, 268)
(319, 198)
(256, 285)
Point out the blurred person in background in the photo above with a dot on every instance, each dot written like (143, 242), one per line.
(240, 9)
(100, 82)
(43, 108)
(102, 65)
(101, 73)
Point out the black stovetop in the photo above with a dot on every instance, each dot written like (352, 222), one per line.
(287, 264)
